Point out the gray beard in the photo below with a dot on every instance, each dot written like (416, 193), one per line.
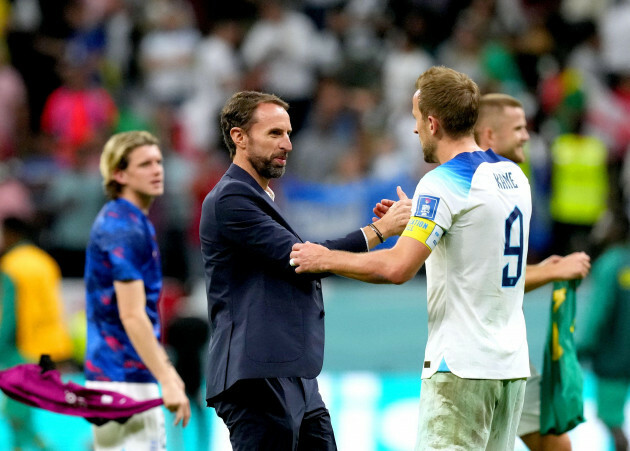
(266, 169)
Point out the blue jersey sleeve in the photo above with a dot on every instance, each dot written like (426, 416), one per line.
(124, 245)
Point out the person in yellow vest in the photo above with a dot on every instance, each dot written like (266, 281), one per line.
(579, 169)
(41, 328)
(31, 318)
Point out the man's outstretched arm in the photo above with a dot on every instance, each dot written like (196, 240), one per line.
(573, 266)
(396, 265)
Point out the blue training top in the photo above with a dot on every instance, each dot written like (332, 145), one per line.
(122, 247)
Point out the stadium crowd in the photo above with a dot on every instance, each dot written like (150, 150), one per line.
(75, 71)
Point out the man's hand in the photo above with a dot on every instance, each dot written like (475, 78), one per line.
(573, 266)
(381, 208)
(393, 217)
(308, 257)
(175, 399)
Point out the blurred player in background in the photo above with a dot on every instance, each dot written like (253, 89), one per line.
(123, 280)
(502, 127)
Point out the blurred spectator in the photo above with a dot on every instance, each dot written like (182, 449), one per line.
(37, 40)
(462, 50)
(213, 83)
(86, 42)
(395, 157)
(166, 51)
(14, 125)
(118, 55)
(609, 114)
(401, 66)
(613, 27)
(586, 58)
(277, 51)
(78, 114)
(72, 200)
(331, 132)
(41, 327)
(581, 10)
(172, 211)
(359, 28)
(15, 195)
(440, 16)
(537, 168)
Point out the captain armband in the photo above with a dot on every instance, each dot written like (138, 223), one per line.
(424, 230)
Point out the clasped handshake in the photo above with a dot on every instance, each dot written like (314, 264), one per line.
(391, 218)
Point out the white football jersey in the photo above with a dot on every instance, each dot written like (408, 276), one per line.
(476, 272)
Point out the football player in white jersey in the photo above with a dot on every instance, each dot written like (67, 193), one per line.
(470, 223)
(502, 127)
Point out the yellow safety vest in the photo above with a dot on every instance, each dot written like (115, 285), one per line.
(579, 179)
(41, 328)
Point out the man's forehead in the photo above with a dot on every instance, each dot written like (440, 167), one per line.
(267, 114)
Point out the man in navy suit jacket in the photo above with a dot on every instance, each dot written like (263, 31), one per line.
(267, 341)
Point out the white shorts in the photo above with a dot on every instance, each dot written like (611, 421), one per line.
(468, 414)
(530, 418)
(144, 431)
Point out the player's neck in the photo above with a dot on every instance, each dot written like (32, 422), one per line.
(449, 148)
(142, 201)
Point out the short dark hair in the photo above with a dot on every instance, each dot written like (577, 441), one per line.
(450, 96)
(239, 112)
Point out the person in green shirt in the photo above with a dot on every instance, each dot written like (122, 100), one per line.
(18, 415)
(605, 335)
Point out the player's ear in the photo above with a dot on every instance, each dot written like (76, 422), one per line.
(434, 125)
(119, 176)
(238, 135)
(487, 136)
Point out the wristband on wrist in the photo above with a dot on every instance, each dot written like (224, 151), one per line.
(378, 232)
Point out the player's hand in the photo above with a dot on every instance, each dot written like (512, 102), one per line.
(396, 216)
(552, 259)
(573, 266)
(308, 257)
(175, 399)
(382, 207)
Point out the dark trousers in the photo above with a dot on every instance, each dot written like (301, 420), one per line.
(280, 414)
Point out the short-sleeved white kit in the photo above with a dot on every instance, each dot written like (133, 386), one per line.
(476, 272)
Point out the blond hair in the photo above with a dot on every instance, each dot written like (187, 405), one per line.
(450, 96)
(115, 156)
(491, 107)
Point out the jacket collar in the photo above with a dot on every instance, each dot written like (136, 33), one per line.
(238, 173)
